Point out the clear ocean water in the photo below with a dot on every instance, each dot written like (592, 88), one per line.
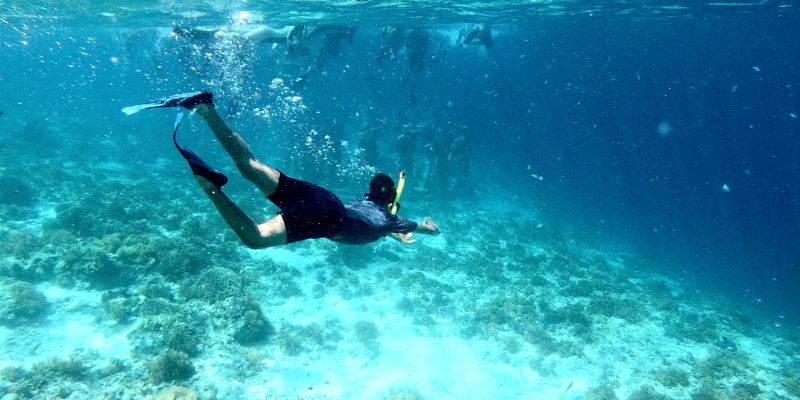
(617, 184)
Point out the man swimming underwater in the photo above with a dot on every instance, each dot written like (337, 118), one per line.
(307, 211)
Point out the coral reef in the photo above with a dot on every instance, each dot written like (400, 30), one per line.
(52, 378)
(19, 244)
(673, 377)
(574, 316)
(297, 339)
(213, 285)
(694, 326)
(179, 332)
(20, 303)
(16, 192)
(171, 366)
(722, 364)
(95, 266)
(614, 306)
(425, 298)
(367, 334)
(70, 369)
(791, 375)
(602, 392)
(580, 288)
(36, 268)
(243, 320)
(176, 282)
(706, 391)
(283, 281)
(745, 391)
(646, 392)
(120, 304)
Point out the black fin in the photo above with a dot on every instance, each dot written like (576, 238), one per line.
(198, 166)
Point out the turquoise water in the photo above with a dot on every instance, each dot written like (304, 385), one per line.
(616, 185)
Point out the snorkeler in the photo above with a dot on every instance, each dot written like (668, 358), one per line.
(480, 33)
(332, 37)
(293, 36)
(417, 44)
(307, 211)
(393, 39)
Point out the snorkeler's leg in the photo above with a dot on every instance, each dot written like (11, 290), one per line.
(265, 34)
(255, 236)
(262, 175)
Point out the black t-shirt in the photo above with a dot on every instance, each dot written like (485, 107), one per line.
(366, 222)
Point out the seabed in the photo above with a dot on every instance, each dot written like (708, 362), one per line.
(121, 282)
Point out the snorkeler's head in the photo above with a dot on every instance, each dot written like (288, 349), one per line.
(381, 190)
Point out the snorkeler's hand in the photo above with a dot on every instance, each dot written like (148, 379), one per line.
(430, 227)
(404, 238)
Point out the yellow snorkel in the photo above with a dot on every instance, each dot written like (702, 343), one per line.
(400, 184)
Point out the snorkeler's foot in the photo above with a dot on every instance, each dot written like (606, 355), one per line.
(200, 168)
(189, 100)
(180, 31)
(185, 100)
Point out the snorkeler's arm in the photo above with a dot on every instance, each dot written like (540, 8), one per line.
(405, 229)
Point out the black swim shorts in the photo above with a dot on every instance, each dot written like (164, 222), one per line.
(309, 211)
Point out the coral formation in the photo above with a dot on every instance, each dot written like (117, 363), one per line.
(19, 244)
(297, 339)
(213, 285)
(16, 192)
(573, 316)
(745, 391)
(581, 288)
(367, 334)
(673, 377)
(646, 392)
(791, 375)
(94, 265)
(71, 369)
(722, 364)
(20, 303)
(171, 366)
(244, 320)
(614, 306)
(602, 392)
(47, 379)
(694, 326)
(36, 268)
(706, 391)
(179, 332)
(120, 305)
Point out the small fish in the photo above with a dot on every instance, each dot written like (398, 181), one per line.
(793, 115)
(757, 69)
(726, 188)
(733, 89)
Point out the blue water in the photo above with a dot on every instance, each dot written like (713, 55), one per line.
(587, 109)
(577, 100)
(670, 132)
